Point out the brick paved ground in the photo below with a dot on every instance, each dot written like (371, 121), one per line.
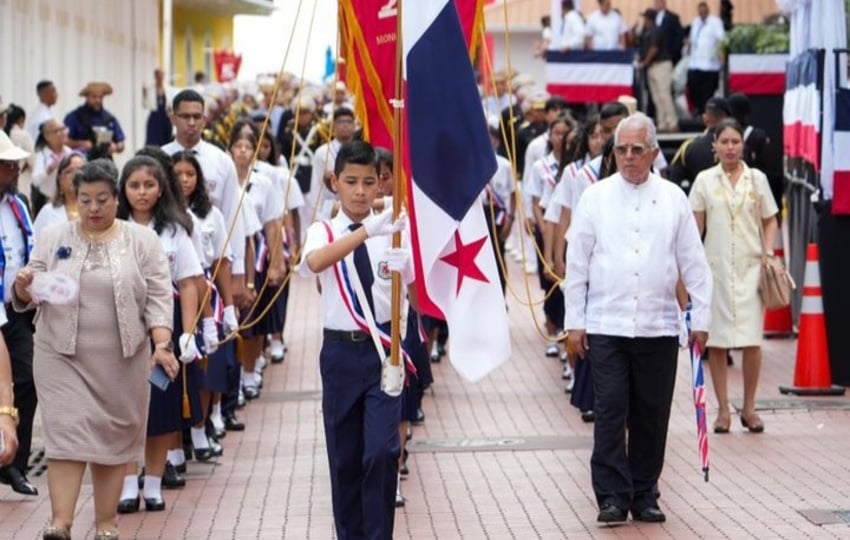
(507, 458)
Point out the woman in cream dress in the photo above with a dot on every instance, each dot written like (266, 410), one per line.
(728, 201)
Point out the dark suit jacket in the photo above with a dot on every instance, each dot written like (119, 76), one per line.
(671, 29)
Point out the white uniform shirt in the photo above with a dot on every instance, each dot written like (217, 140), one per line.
(47, 216)
(209, 236)
(264, 198)
(223, 186)
(183, 261)
(604, 30)
(542, 173)
(573, 31)
(586, 176)
(502, 183)
(14, 246)
(705, 41)
(627, 247)
(562, 194)
(335, 315)
(285, 186)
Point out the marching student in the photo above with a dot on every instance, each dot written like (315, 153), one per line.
(209, 235)
(144, 198)
(269, 263)
(361, 420)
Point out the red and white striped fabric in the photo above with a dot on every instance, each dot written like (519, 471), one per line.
(590, 76)
(801, 109)
(841, 161)
(757, 74)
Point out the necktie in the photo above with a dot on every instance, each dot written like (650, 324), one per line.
(364, 268)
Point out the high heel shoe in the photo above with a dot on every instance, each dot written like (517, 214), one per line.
(722, 424)
(56, 533)
(752, 422)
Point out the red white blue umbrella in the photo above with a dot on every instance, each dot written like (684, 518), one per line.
(699, 400)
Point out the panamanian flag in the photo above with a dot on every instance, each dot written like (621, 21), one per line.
(450, 160)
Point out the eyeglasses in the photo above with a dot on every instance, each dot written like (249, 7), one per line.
(634, 149)
(61, 129)
(197, 117)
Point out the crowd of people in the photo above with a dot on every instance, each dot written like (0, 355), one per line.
(234, 193)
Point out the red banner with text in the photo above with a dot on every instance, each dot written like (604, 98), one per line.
(368, 29)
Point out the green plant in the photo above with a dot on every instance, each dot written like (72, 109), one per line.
(757, 39)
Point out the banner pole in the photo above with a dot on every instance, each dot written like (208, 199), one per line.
(398, 192)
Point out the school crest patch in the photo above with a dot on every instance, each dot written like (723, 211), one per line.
(384, 270)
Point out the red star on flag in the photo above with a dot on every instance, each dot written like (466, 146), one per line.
(463, 258)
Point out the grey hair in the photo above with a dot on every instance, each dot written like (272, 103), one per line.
(638, 121)
(98, 170)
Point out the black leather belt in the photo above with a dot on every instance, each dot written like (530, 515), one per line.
(352, 336)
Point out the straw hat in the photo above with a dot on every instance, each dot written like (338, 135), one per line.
(8, 151)
(96, 87)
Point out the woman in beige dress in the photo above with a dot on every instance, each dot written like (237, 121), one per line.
(93, 356)
(728, 201)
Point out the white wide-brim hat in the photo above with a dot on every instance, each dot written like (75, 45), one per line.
(10, 152)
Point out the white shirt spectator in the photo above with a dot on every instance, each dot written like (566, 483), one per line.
(573, 31)
(320, 197)
(39, 115)
(43, 180)
(21, 138)
(605, 30)
(705, 41)
(627, 247)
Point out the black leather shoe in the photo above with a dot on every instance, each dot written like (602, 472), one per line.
(611, 513)
(181, 468)
(171, 478)
(231, 423)
(128, 506)
(154, 504)
(588, 417)
(15, 478)
(251, 392)
(203, 454)
(216, 448)
(650, 514)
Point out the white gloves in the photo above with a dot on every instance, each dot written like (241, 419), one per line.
(210, 335)
(399, 260)
(382, 225)
(188, 350)
(231, 324)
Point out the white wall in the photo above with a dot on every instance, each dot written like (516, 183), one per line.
(522, 55)
(72, 42)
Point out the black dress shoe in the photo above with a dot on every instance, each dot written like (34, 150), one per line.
(231, 423)
(203, 454)
(15, 478)
(251, 392)
(181, 468)
(216, 448)
(154, 504)
(171, 478)
(128, 506)
(611, 513)
(650, 514)
(588, 417)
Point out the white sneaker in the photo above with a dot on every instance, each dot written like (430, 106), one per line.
(568, 372)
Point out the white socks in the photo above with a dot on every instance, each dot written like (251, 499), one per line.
(215, 416)
(199, 438)
(153, 487)
(131, 487)
(276, 348)
(177, 457)
(249, 379)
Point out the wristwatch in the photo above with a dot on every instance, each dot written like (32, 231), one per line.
(167, 346)
(10, 411)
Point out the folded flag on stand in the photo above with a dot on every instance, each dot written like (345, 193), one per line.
(449, 160)
(590, 76)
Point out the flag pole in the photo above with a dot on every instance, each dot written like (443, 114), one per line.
(398, 192)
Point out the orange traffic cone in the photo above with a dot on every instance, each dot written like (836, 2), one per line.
(811, 375)
(777, 322)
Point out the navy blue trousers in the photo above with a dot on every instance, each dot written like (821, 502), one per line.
(633, 380)
(361, 431)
